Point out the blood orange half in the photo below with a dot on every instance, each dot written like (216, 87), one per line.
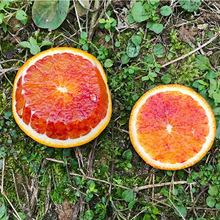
(61, 97)
(172, 127)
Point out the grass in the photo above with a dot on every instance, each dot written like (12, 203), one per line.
(106, 179)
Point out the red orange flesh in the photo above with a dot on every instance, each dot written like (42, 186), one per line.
(172, 127)
(63, 96)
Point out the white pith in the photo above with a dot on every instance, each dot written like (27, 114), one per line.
(140, 149)
(43, 137)
(62, 89)
(169, 128)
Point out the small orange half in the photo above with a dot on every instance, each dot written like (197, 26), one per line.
(61, 97)
(172, 127)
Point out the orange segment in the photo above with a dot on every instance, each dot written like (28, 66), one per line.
(20, 98)
(170, 126)
(60, 96)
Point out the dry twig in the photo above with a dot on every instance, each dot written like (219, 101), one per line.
(79, 159)
(177, 209)
(91, 159)
(17, 215)
(77, 17)
(163, 184)
(54, 160)
(2, 189)
(2, 71)
(92, 27)
(16, 189)
(93, 19)
(135, 189)
(98, 180)
(193, 51)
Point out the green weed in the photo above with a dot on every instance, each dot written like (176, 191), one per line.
(33, 45)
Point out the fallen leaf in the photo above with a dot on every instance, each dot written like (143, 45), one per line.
(82, 7)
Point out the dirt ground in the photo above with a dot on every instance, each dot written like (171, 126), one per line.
(106, 178)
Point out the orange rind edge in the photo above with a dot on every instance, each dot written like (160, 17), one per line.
(203, 151)
(53, 142)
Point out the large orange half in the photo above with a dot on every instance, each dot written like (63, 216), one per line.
(61, 97)
(172, 127)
